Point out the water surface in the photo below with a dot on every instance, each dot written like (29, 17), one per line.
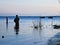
(27, 35)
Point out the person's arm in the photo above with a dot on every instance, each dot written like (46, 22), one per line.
(14, 20)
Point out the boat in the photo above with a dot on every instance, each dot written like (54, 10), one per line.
(56, 26)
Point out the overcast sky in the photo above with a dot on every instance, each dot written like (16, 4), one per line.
(29, 7)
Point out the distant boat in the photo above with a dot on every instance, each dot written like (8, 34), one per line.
(50, 17)
(42, 17)
(56, 26)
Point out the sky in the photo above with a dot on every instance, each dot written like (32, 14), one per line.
(51, 7)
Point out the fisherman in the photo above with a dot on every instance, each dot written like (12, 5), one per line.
(16, 20)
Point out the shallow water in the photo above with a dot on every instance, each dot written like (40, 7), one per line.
(27, 35)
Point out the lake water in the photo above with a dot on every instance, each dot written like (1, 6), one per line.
(27, 34)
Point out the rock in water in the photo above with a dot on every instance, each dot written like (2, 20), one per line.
(2, 36)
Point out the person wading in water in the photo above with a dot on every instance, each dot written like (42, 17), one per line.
(16, 20)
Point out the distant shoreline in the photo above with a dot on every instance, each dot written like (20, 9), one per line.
(12, 17)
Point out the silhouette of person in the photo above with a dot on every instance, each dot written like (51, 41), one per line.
(6, 22)
(6, 19)
(16, 20)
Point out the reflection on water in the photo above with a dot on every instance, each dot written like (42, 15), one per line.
(7, 26)
(37, 36)
(16, 28)
(27, 34)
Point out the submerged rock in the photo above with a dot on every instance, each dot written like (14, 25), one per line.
(2, 36)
